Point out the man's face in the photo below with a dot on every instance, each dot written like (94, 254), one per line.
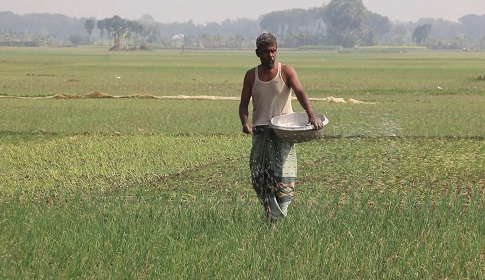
(267, 55)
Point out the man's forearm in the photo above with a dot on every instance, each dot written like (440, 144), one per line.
(305, 104)
(243, 115)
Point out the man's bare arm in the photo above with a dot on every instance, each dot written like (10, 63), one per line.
(244, 103)
(293, 81)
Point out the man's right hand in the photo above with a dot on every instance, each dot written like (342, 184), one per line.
(247, 129)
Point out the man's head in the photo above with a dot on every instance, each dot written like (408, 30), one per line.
(265, 39)
(266, 47)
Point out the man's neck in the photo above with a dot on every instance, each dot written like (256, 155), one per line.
(269, 70)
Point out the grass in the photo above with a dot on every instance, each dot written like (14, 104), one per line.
(365, 209)
(144, 189)
(46, 72)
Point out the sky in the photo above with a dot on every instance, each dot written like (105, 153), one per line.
(203, 11)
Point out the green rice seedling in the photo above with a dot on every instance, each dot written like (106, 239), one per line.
(147, 188)
(364, 208)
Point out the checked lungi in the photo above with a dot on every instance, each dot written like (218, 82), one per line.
(273, 167)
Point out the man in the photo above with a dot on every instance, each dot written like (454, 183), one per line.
(272, 161)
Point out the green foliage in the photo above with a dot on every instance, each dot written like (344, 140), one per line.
(364, 209)
(346, 20)
(295, 28)
(89, 25)
(421, 33)
(146, 188)
(76, 39)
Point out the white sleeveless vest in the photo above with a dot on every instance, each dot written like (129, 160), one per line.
(270, 99)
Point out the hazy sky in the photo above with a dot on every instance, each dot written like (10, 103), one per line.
(202, 11)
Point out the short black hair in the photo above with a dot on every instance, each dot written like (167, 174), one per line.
(265, 39)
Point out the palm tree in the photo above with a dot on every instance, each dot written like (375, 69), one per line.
(101, 24)
(89, 25)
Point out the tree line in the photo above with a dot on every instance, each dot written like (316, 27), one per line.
(345, 23)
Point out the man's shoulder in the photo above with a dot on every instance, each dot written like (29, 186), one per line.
(286, 67)
(287, 71)
(250, 77)
(252, 69)
(251, 72)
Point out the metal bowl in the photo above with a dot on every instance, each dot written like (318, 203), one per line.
(294, 127)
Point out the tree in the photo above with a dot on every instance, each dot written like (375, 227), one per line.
(139, 30)
(119, 26)
(473, 26)
(421, 33)
(377, 27)
(8, 36)
(238, 39)
(76, 39)
(345, 19)
(89, 25)
(109, 27)
(101, 24)
(292, 22)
